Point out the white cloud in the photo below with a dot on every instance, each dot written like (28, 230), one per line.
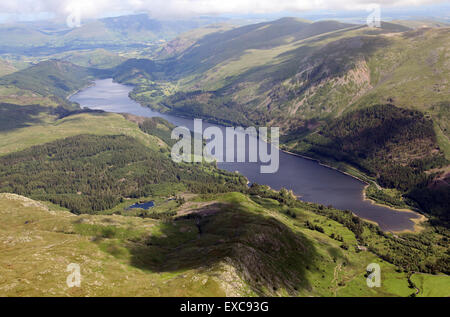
(97, 8)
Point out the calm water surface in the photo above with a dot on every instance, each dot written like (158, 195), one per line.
(145, 206)
(308, 179)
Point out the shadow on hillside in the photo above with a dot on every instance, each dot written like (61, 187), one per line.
(15, 117)
(267, 254)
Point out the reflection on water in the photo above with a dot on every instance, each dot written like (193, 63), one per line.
(308, 179)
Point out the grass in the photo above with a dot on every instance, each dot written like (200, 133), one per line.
(15, 95)
(51, 130)
(54, 243)
(432, 285)
(443, 141)
(412, 72)
(162, 200)
(130, 256)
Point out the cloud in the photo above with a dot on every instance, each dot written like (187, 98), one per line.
(158, 8)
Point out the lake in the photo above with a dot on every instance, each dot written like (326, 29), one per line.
(308, 179)
(146, 206)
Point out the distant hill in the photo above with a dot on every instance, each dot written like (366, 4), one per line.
(417, 24)
(219, 47)
(97, 58)
(187, 39)
(6, 68)
(117, 32)
(52, 79)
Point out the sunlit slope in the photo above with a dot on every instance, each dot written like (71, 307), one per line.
(241, 248)
(44, 128)
(98, 58)
(48, 78)
(45, 37)
(288, 71)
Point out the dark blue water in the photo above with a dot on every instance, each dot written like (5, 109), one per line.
(308, 179)
(145, 206)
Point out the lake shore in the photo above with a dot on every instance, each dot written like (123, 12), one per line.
(418, 221)
(309, 188)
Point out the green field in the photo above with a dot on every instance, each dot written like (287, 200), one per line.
(432, 285)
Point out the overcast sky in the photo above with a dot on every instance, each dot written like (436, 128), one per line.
(33, 9)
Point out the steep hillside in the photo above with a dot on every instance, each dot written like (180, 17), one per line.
(223, 245)
(105, 169)
(260, 70)
(396, 147)
(187, 39)
(304, 76)
(216, 48)
(50, 78)
(98, 58)
(300, 71)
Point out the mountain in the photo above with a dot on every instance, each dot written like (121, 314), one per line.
(417, 24)
(394, 147)
(308, 78)
(96, 58)
(252, 68)
(187, 39)
(216, 48)
(207, 233)
(116, 32)
(52, 79)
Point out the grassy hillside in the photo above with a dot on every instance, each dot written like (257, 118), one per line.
(288, 71)
(187, 39)
(307, 78)
(220, 46)
(260, 69)
(417, 24)
(45, 38)
(50, 78)
(221, 245)
(97, 58)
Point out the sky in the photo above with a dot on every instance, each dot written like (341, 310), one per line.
(14, 10)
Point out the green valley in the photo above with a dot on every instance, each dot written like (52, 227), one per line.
(308, 78)
(373, 103)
